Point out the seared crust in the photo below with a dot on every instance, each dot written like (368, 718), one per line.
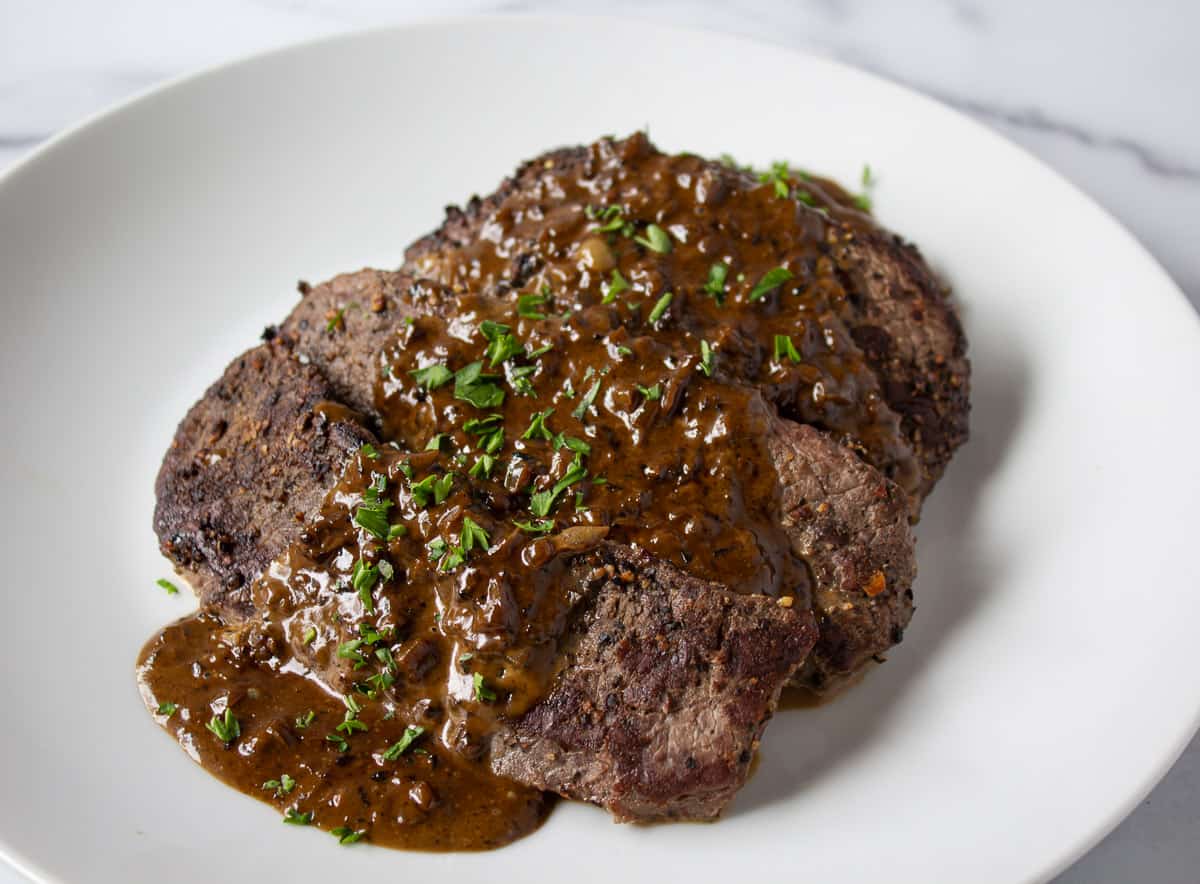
(252, 458)
(850, 524)
(666, 685)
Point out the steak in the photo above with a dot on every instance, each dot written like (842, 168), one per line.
(666, 685)
(252, 458)
(894, 307)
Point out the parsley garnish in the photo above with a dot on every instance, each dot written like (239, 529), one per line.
(577, 445)
(527, 305)
(432, 487)
(472, 385)
(706, 359)
(396, 530)
(863, 200)
(778, 178)
(586, 402)
(771, 280)
(615, 286)
(542, 502)
(537, 426)
(371, 514)
(653, 392)
(656, 239)
(473, 535)
(502, 346)
(170, 587)
(432, 376)
(167, 709)
(346, 835)
(490, 431)
(609, 219)
(537, 526)
(785, 348)
(310, 635)
(660, 307)
(303, 721)
(483, 693)
(335, 320)
(435, 442)
(227, 728)
(368, 451)
(412, 733)
(363, 580)
(482, 468)
(292, 817)
(716, 281)
(437, 548)
(282, 786)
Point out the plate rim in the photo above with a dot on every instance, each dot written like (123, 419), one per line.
(11, 853)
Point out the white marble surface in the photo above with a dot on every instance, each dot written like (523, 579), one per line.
(1105, 92)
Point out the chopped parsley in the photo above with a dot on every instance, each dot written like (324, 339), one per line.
(785, 348)
(368, 451)
(716, 281)
(586, 402)
(483, 693)
(167, 709)
(652, 393)
(226, 727)
(502, 345)
(537, 426)
(609, 219)
(527, 305)
(432, 376)
(472, 385)
(412, 733)
(473, 535)
(432, 487)
(863, 201)
(335, 320)
(303, 721)
(295, 818)
(562, 441)
(706, 358)
(363, 580)
(771, 280)
(537, 526)
(616, 285)
(777, 177)
(482, 468)
(489, 430)
(282, 786)
(396, 530)
(435, 442)
(372, 514)
(310, 635)
(170, 587)
(346, 835)
(542, 502)
(656, 239)
(660, 308)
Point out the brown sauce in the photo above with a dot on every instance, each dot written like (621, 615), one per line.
(600, 408)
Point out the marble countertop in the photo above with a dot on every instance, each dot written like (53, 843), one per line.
(1103, 92)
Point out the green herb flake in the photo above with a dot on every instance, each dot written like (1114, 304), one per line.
(585, 403)
(363, 580)
(616, 285)
(715, 285)
(226, 727)
(528, 305)
(482, 468)
(777, 177)
(437, 548)
(295, 818)
(537, 426)
(707, 357)
(473, 535)
(346, 835)
(310, 635)
(536, 526)
(502, 345)
(303, 721)
(396, 530)
(432, 376)
(660, 308)
(412, 733)
(784, 348)
(335, 320)
(483, 693)
(473, 386)
(167, 709)
(771, 280)
(652, 393)
(562, 441)
(656, 239)
(372, 516)
(170, 587)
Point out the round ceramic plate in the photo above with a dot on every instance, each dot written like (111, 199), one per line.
(1048, 679)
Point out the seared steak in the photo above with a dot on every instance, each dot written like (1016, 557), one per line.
(895, 309)
(247, 465)
(667, 683)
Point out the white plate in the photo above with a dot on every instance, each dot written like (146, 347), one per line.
(1048, 679)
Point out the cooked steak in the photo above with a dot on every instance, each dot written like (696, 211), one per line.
(851, 525)
(647, 433)
(667, 683)
(532, 231)
(248, 463)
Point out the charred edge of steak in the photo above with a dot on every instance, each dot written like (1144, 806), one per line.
(666, 685)
(850, 524)
(250, 461)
